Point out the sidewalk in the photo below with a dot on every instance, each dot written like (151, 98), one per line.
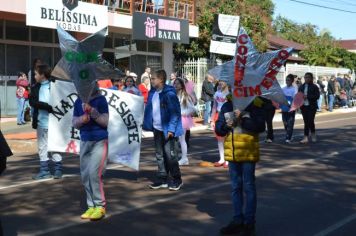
(22, 138)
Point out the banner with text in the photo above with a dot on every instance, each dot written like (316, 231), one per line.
(125, 123)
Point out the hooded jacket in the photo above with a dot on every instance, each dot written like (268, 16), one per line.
(170, 112)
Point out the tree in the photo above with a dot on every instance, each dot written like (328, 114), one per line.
(255, 16)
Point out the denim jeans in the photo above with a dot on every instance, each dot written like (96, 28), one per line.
(167, 156)
(320, 101)
(288, 121)
(242, 175)
(20, 110)
(207, 112)
(331, 101)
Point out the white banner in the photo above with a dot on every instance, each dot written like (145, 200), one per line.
(125, 123)
(72, 15)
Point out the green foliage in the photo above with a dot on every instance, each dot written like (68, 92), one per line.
(321, 48)
(255, 16)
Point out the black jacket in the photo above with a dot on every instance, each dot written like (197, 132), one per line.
(36, 104)
(207, 91)
(313, 94)
(331, 87)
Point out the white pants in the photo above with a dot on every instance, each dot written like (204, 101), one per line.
(42, 142)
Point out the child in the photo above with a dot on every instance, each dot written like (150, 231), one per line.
(187, 109)
(242, 129)
(39, 98)
(92, 119)
(163, 117)
(22, 96)
(130, 86)
(288, 117)
(220, 97)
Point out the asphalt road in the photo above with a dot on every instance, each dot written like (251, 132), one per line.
(302, 190)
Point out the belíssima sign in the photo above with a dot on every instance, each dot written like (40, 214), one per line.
(158, 28)
(71, 15)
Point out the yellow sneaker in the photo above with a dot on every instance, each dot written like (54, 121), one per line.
(87, 213)
(98, 214)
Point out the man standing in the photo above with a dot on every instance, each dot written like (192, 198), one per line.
(147, 73)
(207, 96)
(163, 117)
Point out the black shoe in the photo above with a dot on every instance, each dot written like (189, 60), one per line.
(158, 185)
(232, 228)
(176, 185)
(249, 230)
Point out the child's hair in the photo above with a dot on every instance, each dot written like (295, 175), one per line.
(161, 74)
(291, 77)
(133, 81)
(20, 74)
(44, 70)
(184, 94)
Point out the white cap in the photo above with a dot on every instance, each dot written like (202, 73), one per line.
(133, 75)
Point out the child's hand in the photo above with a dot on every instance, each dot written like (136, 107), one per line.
(86, 107)
(230, 123)
(85, 118)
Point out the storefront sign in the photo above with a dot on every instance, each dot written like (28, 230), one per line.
(158, 28)
(72, 15)
(223, 39)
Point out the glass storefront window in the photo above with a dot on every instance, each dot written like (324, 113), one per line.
(138, 64)
(41, 35)
(1, 29)
(154, 46)
(43, 53)
(108, 41)
(141, 45)
(16, 30)
(17, 59)
(109, 57)
(57, 56)
(122, 42)
(2, 59)
(123, 63)
(154, 62)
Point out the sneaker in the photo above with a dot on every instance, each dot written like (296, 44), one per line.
(304, 140)
(176, 185)
(87, 213)
(218, 164)
(158, 185)
(98, 213)
(42, 175)
(268, 140)
(288, 141)
(183, 162)
(226, 164)
(57, 174)
(313, 138)
(232, 228)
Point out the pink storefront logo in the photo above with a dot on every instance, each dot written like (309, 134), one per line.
(150, 28)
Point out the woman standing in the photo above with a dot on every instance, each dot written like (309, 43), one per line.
(144, 88)
(187, 109)
(130, 86)
(220, 97)
(311, 96)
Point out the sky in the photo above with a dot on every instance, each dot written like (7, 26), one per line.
(342, 25)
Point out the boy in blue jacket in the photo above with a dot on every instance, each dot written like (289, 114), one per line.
(163, 117)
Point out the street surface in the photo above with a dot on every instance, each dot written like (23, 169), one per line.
(302, 190)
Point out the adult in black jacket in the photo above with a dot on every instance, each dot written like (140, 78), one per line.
(331, 93)
(311, 96)
(207, 96)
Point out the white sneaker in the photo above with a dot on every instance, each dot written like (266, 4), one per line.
(183, 162)
(288, 141)
(268, 140)
(313, 138)
(304, 140)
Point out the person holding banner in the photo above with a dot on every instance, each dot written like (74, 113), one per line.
(130, 86)
(163, 117)
(92, 120)
(242, 129)
(309, 107)
(288, 116)
(220, 97)
(39, 99)
(187, 109)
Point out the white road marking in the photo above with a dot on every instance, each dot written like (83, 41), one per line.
(337, 225)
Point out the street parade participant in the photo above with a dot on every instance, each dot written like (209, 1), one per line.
(92, 120)
(130, 86)
(39, 99)
(163, 117)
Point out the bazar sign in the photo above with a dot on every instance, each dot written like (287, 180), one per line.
(72, 15)
(158, 28)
